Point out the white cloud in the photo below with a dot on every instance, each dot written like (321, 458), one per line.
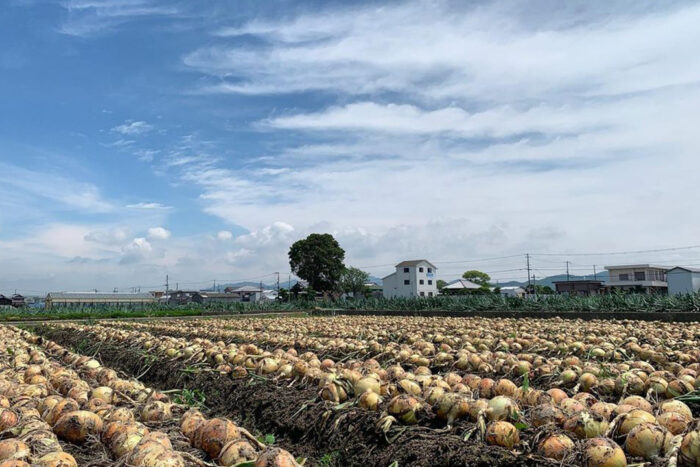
(158, 233)
(89, 17)
(133, 128)
(224, 235)
(147, 206)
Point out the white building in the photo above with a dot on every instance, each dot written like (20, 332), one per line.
(512, 291)
(682, 280)
(414, 278)
(648, 278)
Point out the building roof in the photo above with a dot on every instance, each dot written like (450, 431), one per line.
(100, 296)
(684, 268)
(386, 277)
(638, 266)
(247, 288)
(414, 262)
(462, 284)
(579, 281)
(512, 287)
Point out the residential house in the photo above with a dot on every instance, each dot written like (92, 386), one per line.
(647, 278)
(5, 301)
(91, 299)
(579, 287)
(18, 301)
(415, 278)
(248, 293)
(682, 280)
(460, 286)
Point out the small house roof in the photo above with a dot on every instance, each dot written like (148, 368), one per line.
(639, 266)
(512, 287)
(462, 284)
(247, 288)
(414, 262)
(685, 268)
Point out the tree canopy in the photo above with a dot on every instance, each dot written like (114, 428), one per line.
(477, 277)
(318, 259)
(353, 281)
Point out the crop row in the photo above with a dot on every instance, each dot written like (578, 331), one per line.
(50, 393)
(567, 421)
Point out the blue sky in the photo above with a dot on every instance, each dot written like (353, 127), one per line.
(140, 138)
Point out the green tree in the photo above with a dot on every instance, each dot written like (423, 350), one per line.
(353, 281)
(544, 290)
(318, 259)
(477, 277)
(440, 284)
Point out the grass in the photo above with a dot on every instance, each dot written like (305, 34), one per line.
(191, 397)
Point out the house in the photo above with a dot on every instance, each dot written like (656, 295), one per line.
(181, 297)
(512, 291)
(579, 287)
(647, 278)
(248, 293)
(415, 278)
(91, 299)
(18, 301)
(460, 286)
(682, 280)
(5, 301)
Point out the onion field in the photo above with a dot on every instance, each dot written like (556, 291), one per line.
(353, 390)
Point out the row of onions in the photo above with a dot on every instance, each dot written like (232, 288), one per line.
(570, 417)
(49, 396)
(603, 357)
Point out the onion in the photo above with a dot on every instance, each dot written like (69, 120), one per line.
(648, 440)
(212, 435)
(104, 393)
(546, 414)
(638, 402)
(557, 395)
(603, 452)
(676, 406)
(634, 418)
(503, 434)
(690, 448)
(8, 419)
(14, 449)
(76, 426)
(674, 422)
(405, 408)
(556, 447)
(367, 383)
(13, 463)
(56, 459)
(505, 387)
(369, 400)
(410, 387)
(586, 425)
(156, 411)
(502, 408)
(190, 421)
(276, 457)
(237, 451)
(61, 407)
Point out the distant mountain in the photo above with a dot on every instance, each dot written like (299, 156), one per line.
(222, 287)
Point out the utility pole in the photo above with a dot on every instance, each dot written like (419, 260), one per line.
(595, 275)
(278, 283)
(289, 287)
(167, 287)
(214, 285)
(527, 256)
(567, 270)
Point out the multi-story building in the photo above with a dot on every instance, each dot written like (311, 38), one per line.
(646, 278)
(415, 278)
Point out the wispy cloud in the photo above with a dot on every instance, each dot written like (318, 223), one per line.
(89, 17)
(132, 128)
(147, 206)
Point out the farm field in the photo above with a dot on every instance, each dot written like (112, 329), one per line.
(360, 390)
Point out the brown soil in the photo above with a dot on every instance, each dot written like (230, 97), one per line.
(303, 424)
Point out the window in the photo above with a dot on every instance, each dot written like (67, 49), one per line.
(639, 276)
(430, 282)
(422, 294)
(624, 277)
(405, 269)
(420, 269)
(430, 269)
(406, 282)
(421, 282)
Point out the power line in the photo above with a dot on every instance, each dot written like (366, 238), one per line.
(620, 252)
